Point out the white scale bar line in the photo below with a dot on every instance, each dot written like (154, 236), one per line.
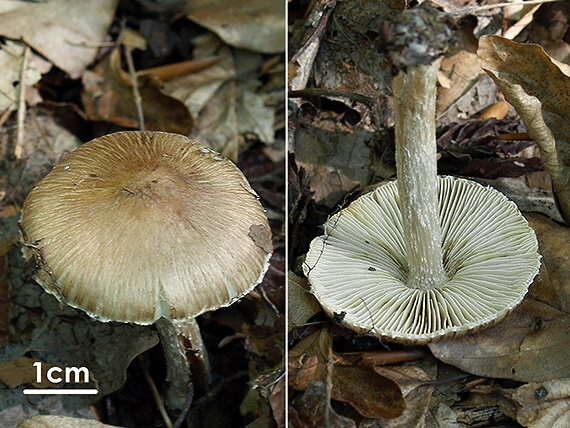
(53, 391)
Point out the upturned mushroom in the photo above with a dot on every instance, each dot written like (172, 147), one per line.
(424, 257)
(149, 228)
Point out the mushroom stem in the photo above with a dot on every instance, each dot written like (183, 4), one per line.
(186, 359)
(416, 163)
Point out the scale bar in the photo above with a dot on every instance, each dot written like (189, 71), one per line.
(54, 391)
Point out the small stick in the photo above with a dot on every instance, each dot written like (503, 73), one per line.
(135, 83)
(21, 118)
(381, 358)
(156, 395)
(171, 71)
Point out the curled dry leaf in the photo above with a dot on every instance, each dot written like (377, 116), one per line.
(537, 86)
(371, 394)
(417, 388)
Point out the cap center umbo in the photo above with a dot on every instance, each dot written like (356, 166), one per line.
(160, 188)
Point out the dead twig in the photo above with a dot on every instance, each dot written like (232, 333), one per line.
(21, 117)
(156, 395)
(135, 85)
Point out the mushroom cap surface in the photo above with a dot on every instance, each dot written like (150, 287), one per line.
(359, 267)
(134, 226)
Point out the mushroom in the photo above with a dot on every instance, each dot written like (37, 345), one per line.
(149, 228)
(424, 257)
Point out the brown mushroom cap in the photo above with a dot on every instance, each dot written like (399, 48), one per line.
(135, 226)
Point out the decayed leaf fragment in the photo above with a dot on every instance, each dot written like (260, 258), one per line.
(12, 56)
(533, 405)
(543, 405)
(537, 86)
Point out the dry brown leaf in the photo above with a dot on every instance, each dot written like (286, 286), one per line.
(537, 87)
(22, 371)
(277, 401)
(108, 96)
(196, 90)
(218, 126)
(531, 344)
(13, 55)
(253, 116)
(462, 73)
(257, 25)
(371, 394)
(68, 33)
(417, 388)
(308, 366)
(337, 161)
